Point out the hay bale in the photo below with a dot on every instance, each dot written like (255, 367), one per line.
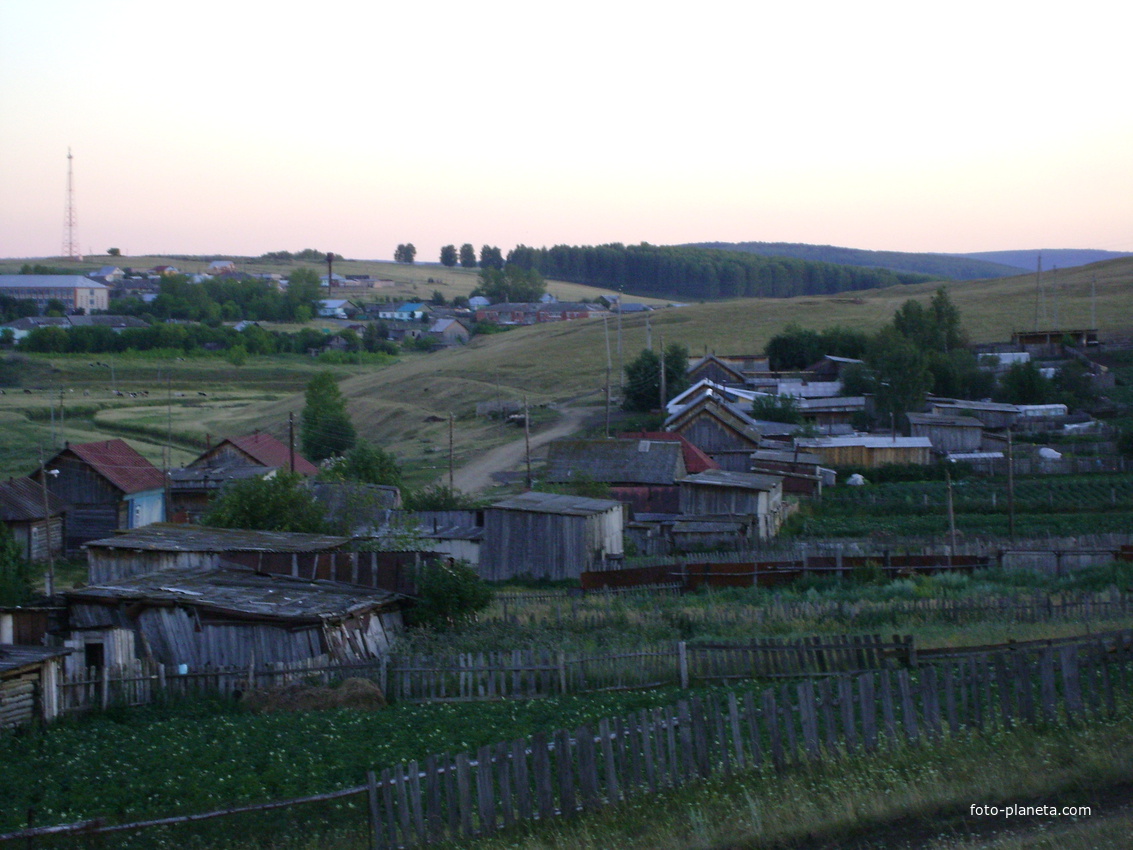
(358, 694)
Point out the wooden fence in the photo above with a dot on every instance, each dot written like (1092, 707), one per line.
(460, 797)
(519, 674)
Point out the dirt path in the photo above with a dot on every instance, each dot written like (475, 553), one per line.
(477, 475)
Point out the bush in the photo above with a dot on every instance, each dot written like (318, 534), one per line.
(449, 595)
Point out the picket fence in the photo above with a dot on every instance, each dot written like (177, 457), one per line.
(460, 797)
(518, 674)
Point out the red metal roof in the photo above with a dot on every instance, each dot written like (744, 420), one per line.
(695, 460)
(120, 464)
(268, 451)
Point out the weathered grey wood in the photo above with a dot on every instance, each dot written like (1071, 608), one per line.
(485, 791)
(930, 695)
(564, 768)
(737, 741)
(464, 795)
(587, 768)
(648, 734)
(1048, 695)
(416, 804)
(433, 799)
(789, 712)
(626, 757)
(504, 781)
(774, 728)
(888, 717)
(390, 819)
(613, 789)
(846, 704)
(377, 832)
(522, 780)
(1071, 683)
(544, 779)
(717, 748)
(751, 713)
(866, 693)
(826, 709)
(908, 709)
(672, 752)
(686, 761)
(402, 792)
(1003, 690)
(950, 699)
(808, 717)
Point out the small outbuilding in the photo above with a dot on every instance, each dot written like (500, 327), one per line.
(640, 473)
(549, 536)
(720, 494)
(29, 677)
(949, 434)
(37, 527)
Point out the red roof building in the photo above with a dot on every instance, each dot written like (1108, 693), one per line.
(257, 449)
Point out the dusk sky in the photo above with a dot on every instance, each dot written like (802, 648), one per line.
(245, 127)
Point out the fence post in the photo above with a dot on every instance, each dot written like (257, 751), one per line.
(561, 661)
(682, 662)
(376, 842)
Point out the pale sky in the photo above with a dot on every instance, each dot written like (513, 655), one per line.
(244, 127)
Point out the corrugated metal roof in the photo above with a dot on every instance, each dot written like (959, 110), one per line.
(866, 441)
(171, 537)
(555, 503)
(21, 500)
(695, 459)
(48, 281)
(119, 463)
(269, 451)
(615, 461)
(742, 480)
(240, 592)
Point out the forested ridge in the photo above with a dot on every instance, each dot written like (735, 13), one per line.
(699, 273)
(938, 266)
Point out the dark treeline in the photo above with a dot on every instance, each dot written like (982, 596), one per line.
(229, 300)
(938, 266)
(188, 338)
(699, 273)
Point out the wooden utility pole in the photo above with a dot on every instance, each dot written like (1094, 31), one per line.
(291, 440)
(951, 519)
(607, 401)
(1010, 486)
(662, 346)
(451, 485)
(527, 439)
(50, 583)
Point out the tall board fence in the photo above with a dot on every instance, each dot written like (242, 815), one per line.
(460, 797)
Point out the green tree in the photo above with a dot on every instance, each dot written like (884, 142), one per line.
(511, 283)
(643, 378)
(1023, 383)
(368, 464)
(794, 348)
(777, 408)
(54, 307)
(406, 253)
(326, 426)
(280, 503)
(114, 252)
(467, 256)
(449, 595)
(303, 293)
(437, 497)
(448, 256)
(15, 572)
(902, 375)
(491, 257)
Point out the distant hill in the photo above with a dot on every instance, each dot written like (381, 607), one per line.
(1063, 258)
(937, 266)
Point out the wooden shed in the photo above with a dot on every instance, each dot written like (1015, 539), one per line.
(948, 434)
(640, 473)
(34, 525)
(235, 617)
(549, 536)
(718, 493)
(719, 430)
(108, 486)
(869, 450)
(256, 449)
(29, 677)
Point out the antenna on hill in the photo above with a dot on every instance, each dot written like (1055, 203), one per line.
(1094, 302)
(1040, 301)
(71, 248)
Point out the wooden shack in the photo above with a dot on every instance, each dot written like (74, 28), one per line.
(549, 536)
(640, 473)
(715, 369)
(948, 434)
(34, 525)
(993, 415)
(256, 449)
(870, 451)
(29, 677)
(722, 432)
(721, 494)
(108, 486)
(231, 617)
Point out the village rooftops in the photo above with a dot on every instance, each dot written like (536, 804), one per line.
(554, 503)
(870, 441)
(943, 419)
(172, 537)
(742, 480)
(21, 500)
(118, 463)
(239, 591)
(615, 461)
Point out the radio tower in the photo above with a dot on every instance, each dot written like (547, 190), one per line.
(70, 237)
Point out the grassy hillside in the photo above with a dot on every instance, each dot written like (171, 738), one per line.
(406, 406)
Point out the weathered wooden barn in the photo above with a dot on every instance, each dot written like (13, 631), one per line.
(107, 485)
(549, 536)
(719, 430)
(256, 449)
(640, 473)
(948, 434)
(29, 677)
(869, 451)
(34, 525)
(715, 369)
(993, 415)
(230, 617)
(802, 472)
(721, 494)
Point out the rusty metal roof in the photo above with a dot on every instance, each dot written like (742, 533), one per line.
(269, 451)
(172, 537)
(21, 500)
(239, 592)
(119, 463)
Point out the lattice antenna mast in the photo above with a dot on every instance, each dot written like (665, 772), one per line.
(70, 222)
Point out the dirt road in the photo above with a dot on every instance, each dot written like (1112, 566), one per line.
(477, 475)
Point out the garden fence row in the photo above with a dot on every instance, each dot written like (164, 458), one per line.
(460, 797)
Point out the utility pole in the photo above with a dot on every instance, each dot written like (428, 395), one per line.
(451, 485)
(607, 401)
(621, 353)
(527, 440)
(50, 583)
(291, 441)
(951, 519)
(663, 399)
(1010, 486)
